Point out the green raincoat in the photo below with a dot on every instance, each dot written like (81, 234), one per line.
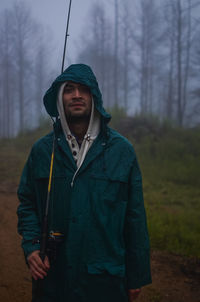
(105, 250)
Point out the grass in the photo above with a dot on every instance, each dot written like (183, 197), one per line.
(14, 152)
(170, 164)
(171, 182)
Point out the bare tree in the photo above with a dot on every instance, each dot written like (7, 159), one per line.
(23, 52)
(7, 108)
(116, 46)
(193, 107)
(170, 37)
(147, 55)
(126, 50)
(23, 32)
(149, 45)
(181, 43)
(98, 52)
(40, 67)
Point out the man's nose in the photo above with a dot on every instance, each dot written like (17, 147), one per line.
(77, 93)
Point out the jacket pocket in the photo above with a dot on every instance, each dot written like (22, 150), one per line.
(58, 202)
(110, 188)
(101, 268)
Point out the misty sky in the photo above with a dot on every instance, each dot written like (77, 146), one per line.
(53, 14)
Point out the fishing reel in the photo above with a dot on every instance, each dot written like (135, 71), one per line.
(55, 239)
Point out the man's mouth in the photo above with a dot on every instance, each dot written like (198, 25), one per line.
(77, 104)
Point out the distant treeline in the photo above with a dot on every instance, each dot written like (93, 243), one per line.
(147, 57)
(145, 53)
(24, 50)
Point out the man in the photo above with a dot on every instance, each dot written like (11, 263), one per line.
(96, 201)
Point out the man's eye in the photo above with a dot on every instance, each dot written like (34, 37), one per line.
(68, 89)
(84, 89)
(81, 89)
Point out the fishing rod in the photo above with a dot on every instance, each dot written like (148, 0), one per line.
(45, 235)
(53, 238)
(66, 35)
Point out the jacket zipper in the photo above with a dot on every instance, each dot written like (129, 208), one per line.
(72, 182)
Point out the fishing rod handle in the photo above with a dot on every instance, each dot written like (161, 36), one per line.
(43, 241)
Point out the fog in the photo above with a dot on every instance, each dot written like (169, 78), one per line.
(145, 55)
(53, 15)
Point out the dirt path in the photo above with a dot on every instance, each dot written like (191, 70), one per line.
(175, 278)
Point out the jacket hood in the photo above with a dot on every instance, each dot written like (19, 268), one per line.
(79, 73)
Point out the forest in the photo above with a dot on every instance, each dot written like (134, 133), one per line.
(146, 57)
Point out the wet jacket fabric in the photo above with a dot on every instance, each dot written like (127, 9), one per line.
(105, 249)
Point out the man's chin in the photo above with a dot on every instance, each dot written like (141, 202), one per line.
(77, 117)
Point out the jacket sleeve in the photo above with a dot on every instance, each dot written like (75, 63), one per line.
(136, 234)
(28, 221)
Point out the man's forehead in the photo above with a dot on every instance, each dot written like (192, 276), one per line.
(74, 84)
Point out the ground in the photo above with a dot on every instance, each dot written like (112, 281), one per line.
(175, 278)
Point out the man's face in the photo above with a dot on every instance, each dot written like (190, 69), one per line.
(77, 101)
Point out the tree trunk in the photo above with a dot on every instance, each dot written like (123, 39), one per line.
(116, 54)
(187, 63)
(179, 64)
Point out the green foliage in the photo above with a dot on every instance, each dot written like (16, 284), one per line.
(140, 126)
(14, 152)
(30, 136)
(170, 165)
(118, 114)
(169, 159)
